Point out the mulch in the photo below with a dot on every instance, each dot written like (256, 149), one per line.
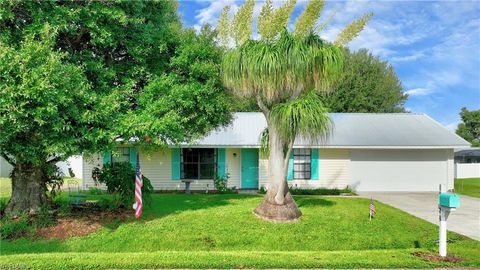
(434, 257)
(82, 223)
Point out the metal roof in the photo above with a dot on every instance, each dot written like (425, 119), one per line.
(351, 130)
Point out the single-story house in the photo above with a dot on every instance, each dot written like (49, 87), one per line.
(366, 152)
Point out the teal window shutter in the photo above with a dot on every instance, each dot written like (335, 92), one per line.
(314, 164)
(175, 163)
(133, 156)
(290, 167)
(107, 158)
(221, 162)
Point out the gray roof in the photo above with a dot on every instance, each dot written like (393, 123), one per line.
(351, 130)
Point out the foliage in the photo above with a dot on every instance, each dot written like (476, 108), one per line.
(304, 117)
(221, 184)
(44, 218)
(94, 190)
(281, 70)
(3, 206)
(11, 228)
(468, 186)
(320, 191)
(367, 84)
(46, 100)
(76, 75)
(218, 231)
(109, 203)
(120, 178)
(469, 128)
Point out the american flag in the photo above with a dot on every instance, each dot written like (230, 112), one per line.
(138, 206)
(372, 209)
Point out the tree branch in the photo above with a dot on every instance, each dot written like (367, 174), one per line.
(7, 158)
(55, 160)
(262, 106)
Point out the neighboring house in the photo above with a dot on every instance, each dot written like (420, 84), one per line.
(5, 168)
(467, 162)
(366, 152)
(75, 163)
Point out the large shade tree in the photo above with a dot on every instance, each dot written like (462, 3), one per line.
(75, 76)
(283, 70)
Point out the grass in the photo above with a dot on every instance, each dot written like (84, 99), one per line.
(468, 186)
(5, 187)
(220, 231)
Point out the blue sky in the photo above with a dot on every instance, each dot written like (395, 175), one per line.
(434, 46)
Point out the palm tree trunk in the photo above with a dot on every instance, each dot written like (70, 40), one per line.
(278, 203)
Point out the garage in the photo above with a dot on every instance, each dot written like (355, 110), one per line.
(401, 169)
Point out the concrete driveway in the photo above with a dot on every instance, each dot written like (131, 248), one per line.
(465, 220)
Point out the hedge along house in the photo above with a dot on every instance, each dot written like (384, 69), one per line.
(366, 152)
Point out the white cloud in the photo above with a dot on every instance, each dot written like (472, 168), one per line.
(420, 91)
(452, 126)
(406, 58)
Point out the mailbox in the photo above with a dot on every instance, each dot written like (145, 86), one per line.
(449, 200)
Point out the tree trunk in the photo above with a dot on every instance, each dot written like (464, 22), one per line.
(278, 203)
(28, 189)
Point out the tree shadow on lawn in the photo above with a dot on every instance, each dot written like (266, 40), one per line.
(313, 201)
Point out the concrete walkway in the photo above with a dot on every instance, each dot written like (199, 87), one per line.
(465, 220)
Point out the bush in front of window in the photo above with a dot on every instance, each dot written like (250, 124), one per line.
(120, 179)
(221, 184)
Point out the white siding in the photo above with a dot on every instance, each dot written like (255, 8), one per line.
(157, 167)
(334, 171)
(88, 165)
(334, 168)
(263, 173)
(233, 167)
(398, 170)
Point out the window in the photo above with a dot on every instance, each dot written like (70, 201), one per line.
(123, 155)
(302, 168)
(198, 163)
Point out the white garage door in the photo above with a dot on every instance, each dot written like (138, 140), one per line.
(400, 170)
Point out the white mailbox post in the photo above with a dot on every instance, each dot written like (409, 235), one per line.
(447, 202)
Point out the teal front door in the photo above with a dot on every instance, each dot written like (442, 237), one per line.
(249, 168)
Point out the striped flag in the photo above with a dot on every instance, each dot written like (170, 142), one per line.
(372, 209)
(138, 206)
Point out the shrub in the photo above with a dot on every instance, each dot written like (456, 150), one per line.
(14, 227)
(319, 191)
(44, 218)
(221, 184)
(3, 206)
(120, 179)
(95, 191)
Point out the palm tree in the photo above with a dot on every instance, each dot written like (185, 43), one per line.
(283, 71)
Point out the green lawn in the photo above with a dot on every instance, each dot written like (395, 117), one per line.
(5, 187)
(220, 231)
(468, 186)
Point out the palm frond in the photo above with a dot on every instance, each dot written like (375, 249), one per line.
(304, 117)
